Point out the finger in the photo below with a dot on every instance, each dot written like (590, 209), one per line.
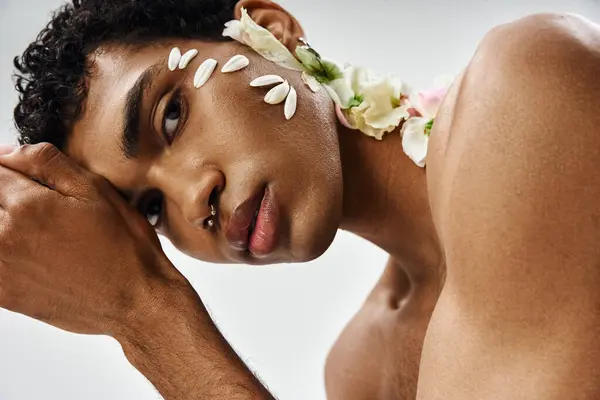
(46, 164)
(17, 190)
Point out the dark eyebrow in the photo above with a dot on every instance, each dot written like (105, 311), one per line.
(130, 138)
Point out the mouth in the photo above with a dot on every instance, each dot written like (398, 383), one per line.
(254, 224)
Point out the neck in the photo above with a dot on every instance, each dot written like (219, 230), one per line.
(386, 200)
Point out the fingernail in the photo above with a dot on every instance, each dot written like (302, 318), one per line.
(7, 148)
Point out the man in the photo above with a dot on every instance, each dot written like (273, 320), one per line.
(513, 280)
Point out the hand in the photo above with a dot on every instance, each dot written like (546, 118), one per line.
(73, 253)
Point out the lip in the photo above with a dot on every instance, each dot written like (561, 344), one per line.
(239, 224)
(263, 238)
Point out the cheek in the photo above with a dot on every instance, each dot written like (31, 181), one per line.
(230, 119)
(231, 127)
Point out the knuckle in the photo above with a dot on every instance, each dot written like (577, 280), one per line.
(22, 202)
(40, 156)
(44, 153)
(12, 189)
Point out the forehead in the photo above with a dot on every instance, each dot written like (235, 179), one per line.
(95, 140)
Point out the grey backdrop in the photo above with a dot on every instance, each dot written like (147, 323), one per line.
(282, 319)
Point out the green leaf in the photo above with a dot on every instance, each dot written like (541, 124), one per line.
(309, 59)
(428, 127)
(355, 101)
(323, 71)
(331, 71)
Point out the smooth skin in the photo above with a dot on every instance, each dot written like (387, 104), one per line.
(491, 288)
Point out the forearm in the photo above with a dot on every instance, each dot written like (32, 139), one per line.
(178, 348)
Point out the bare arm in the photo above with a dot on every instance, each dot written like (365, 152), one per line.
(519, 317)
(118, 282)
(173, 342)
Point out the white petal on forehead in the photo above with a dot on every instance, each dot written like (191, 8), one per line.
(174, 58)
(235, 63)
(278, 93)
(290, 104)
(204, 72)
(187, 57)
(266, 80)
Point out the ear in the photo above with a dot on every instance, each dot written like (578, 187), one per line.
(275, 18)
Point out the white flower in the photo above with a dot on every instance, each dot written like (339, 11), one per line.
(233, 30)
(363, 100)
(415, 131)
(311, 82)
(381, 110)
(340, 91)
(248, 32)
(414, 139)
(383, 98)
(343, 90)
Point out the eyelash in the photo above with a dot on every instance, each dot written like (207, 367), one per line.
(150, 198)
(144, 207)
(178, 99)
(169, 138)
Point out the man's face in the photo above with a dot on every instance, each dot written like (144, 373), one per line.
(218, 145)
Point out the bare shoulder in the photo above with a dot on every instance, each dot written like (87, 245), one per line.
(539, 67)
(531, 57)
(529, 96)
(524, 145)
(543, 34)
(561, 49)
(517, 206)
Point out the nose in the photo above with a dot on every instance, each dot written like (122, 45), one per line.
(201, 196)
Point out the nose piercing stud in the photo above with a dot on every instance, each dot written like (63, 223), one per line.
(213, 212)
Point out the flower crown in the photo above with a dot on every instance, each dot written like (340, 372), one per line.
(364, 100)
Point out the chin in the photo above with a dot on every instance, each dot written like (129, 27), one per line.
(312, 243)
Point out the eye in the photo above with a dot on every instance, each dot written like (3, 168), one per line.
(172, 117)
(151, 209)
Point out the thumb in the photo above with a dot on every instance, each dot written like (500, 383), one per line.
(44, 163)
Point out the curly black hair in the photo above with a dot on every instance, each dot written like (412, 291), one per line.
(52, 70)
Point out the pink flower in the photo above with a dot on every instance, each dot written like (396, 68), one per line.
(429, 101)
(415, 134)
